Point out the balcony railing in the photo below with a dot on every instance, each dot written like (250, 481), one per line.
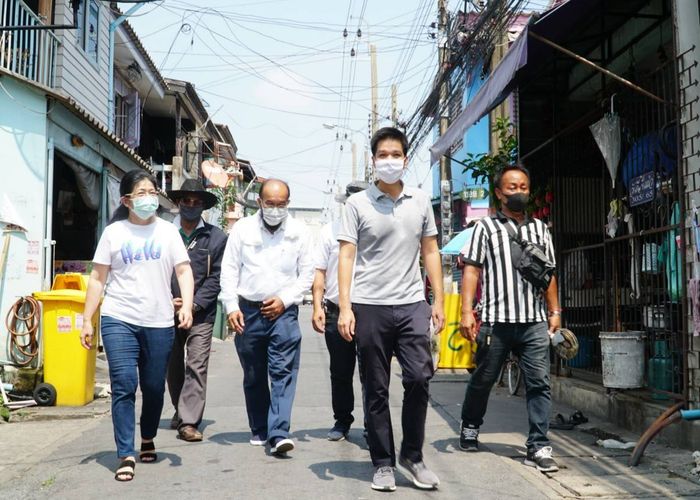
(30, 53)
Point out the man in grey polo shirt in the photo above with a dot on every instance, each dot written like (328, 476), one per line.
(387, 227)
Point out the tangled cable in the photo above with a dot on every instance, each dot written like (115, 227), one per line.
(23, 324)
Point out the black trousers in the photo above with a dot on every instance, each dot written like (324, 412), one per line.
(343, 359)
(381, 331)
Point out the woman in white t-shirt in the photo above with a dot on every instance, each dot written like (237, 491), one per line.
(135, 259)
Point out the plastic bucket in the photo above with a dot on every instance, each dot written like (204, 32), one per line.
(623, 359)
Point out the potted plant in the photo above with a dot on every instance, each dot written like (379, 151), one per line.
(227, 203)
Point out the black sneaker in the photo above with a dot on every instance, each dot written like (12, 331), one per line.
(542, 459)
(469, 438)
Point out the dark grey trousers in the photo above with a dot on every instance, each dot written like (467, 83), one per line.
(381, 331)
(187, 372)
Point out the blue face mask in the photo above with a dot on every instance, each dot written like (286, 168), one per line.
(145, 206)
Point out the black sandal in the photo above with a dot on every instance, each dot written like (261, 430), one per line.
(148, 452)
(125, 472)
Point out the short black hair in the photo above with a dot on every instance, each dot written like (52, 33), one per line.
(268, 181)
(498, 176)
(126, 186)
(388, 133)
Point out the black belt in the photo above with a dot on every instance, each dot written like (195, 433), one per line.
(249, 303)
(332, 307)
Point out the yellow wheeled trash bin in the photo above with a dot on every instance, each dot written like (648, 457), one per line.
(69, 368)
(455, 351)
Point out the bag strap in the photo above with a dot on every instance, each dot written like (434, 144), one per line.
(512, 233)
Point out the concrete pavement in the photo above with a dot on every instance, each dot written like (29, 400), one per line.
(72, 454)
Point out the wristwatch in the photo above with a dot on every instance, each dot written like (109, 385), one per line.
(196, 308)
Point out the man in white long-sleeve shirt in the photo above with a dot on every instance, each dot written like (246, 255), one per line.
(266, 269)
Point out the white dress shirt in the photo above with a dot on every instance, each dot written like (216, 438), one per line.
(258, 264)
(327, 259)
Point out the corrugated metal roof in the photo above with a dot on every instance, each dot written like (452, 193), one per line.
(137, 42)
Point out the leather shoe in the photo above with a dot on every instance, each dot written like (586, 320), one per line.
(189, 433)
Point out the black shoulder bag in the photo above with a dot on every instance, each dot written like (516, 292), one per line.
(530, 259)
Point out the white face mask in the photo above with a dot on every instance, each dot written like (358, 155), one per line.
(389, 171)
(274, 216)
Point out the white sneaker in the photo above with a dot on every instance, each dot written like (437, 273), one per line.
(282, 446)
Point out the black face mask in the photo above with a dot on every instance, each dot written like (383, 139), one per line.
(191, 213)
(517, 202)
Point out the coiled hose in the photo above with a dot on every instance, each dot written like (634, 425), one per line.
(23, 324)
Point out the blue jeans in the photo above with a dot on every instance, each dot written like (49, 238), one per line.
(269, 348)
(136, 355)
(530, 342)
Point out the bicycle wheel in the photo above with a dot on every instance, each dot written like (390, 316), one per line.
(514, 375)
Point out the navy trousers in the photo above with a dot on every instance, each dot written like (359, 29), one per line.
(269, 352)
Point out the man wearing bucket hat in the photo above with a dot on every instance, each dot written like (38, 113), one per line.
(189, 359)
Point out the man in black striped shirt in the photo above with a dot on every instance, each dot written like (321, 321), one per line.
(515, 316)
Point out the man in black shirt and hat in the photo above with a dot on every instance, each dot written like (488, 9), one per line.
(189, 359)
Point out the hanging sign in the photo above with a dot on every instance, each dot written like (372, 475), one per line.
(473, 193)
(642, 189)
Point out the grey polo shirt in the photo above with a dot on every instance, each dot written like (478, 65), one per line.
(388, 235)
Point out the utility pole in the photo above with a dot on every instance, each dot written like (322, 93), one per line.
(375, 111)
(394, 105)
(445, 163)
(354, 161)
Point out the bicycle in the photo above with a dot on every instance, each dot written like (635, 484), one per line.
(511, 370)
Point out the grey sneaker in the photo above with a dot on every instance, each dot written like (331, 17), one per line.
(542, 459)
(383, 479)
(337, 433)
(421, 476)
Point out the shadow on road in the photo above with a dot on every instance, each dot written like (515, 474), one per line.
(109, 460)
(229, 438)
(354, 436)
(328, 471)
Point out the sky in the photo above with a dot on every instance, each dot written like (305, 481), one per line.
(280, 74)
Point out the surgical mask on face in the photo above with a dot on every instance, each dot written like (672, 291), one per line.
(191, 213)
(145, 206)
(389, 171)
(517, 202)
(274, 216)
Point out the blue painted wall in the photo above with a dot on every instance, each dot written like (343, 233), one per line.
(476, 140)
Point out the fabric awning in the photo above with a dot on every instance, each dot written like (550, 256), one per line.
(522, 60)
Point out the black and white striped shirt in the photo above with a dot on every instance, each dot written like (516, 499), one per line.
(505, 296)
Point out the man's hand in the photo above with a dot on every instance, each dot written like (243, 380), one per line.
(177, 304)
(346, 324)
(235, 321)
(467, 326)
(554, 323)
(438, 317)
(185, 319)
(272, 308)
(318, 320)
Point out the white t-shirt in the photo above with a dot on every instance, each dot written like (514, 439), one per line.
(141, 260)
(326, 259)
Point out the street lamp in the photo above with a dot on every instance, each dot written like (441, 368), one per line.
(333, 126)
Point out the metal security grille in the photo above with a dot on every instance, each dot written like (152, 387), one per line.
(621, 249)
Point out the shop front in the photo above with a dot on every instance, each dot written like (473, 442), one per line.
(603, 125)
